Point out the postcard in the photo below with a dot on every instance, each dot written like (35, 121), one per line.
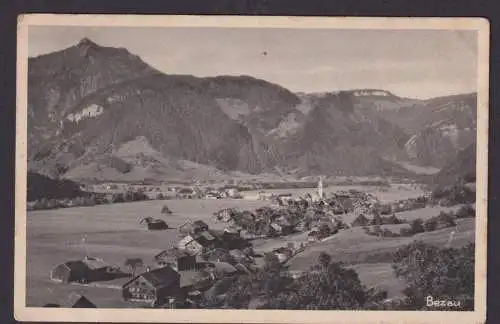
(246, 169)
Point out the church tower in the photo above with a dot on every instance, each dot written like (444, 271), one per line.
(320, 187)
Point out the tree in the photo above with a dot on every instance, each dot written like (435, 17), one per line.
(446, 219)
(324, 259)
(376, 220)
(442, 273)
(328, 285)
(431, 224)
(465, 211)
(324, 230)
(118, 198)
(271, 262)
(332, 287)
(417, 226)
(133, 264)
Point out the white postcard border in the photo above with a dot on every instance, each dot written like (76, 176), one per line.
(23, 313)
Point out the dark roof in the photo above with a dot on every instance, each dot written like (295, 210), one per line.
(200, 223)
(159, 277)
(191, 277)
(204, 238)
(80, 301)
(222, 268)
(172, 252)
(78, 266)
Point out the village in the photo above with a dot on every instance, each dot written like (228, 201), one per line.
(203, 263)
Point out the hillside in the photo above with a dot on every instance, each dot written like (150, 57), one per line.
(40, 186)
(87, 103)
(99, 98)
(463, 168)
(440, 127)
(338, 138)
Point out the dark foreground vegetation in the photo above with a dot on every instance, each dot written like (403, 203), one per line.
(443, 274)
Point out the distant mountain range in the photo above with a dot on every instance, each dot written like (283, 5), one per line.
(99, 112)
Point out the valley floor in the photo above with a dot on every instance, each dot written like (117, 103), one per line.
(113, 233)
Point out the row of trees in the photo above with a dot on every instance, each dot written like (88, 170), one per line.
(91, 199)
(52, 203)
(457, 194)
(443, 220)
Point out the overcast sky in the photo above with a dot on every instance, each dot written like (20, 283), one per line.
(411, 63)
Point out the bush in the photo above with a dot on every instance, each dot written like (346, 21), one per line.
(431, 224)
(454, 195)
(376, 220)
(160, 196)
(118, 198)
(406, 232)
(387, 233)
(446, 219)
(417, 226)
(466, 211)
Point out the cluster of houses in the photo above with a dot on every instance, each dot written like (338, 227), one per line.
(182, 276)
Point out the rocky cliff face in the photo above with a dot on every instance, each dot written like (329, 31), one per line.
(439, 128)
(339, 138)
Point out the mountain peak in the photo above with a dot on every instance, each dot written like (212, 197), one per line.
(86, 42)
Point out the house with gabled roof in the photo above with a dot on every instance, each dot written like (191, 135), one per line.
(189, 244)
(80, 301)
(153, 287)
(83, 271)
(179, 259)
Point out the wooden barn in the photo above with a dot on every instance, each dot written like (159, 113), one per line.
(157, 224)
(83, 271)
(153, 287)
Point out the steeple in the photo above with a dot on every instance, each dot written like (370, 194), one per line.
(320, 187)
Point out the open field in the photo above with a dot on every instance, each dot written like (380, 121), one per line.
(371, 256)
(113, 233)
(353, 246)
(110, 232)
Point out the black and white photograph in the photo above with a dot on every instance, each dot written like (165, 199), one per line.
(243, 165)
